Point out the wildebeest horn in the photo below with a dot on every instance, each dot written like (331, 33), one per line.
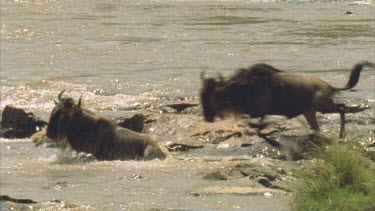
(203, 73)
(79, 102)
(220, 76)
(59, 96)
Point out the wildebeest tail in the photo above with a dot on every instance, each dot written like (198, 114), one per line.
(354, 75)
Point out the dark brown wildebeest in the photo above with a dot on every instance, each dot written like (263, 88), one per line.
(262, 90)
(98, 135)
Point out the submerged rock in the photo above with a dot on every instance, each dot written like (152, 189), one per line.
(179, 106)
(264, 181)
(40, 138)
(17, 201)
(17, 123)
(216, 175)
(251, 171)
(182, 147)
(135, 122)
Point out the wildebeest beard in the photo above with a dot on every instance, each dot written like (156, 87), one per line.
(90, 133)
(262, 90)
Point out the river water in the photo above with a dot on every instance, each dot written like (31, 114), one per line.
(125, 56)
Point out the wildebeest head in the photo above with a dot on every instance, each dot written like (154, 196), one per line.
(245, 92)
(64, 109)
(208, 93)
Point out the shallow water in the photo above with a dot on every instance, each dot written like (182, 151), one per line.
(127, 56)
(44, 174)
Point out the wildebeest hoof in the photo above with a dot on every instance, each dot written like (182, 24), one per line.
(14, 200)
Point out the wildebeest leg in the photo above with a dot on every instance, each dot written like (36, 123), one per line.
(341, 109)
(326, 105)
(310, 117)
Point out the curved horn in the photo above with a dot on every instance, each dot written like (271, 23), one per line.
(79, 102)
(59, 96)
(221, 77)
(202, 74)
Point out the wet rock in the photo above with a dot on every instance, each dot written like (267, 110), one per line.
(217, 175)
(269, 131)
(135, 122)
(136, 177)
(10, 206)
(253, 171)
(224, 174)
(65, 205)
(246, 144)
(57, 185)
(4, 207)
(41, 139)
(248, 170)
(17, 123)
(237, 190)
(182, 147)
(218, 136)
(14, 200)
(235, 142)
(355, 108)
(179, 106)
(264, 181)
(167, 110)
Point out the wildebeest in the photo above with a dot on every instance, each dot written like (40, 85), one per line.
(262, 90)
(102, 137)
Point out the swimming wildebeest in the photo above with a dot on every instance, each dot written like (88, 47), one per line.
(98, 135)
(262, 90)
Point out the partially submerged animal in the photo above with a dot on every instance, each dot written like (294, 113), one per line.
(262, 90)
(102, 137)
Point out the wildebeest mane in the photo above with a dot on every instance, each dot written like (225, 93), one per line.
(257, 72)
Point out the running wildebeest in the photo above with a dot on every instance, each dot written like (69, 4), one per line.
(262, 90)
(98, 135)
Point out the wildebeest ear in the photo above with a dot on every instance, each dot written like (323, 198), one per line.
(55, 102)
(79, 102)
